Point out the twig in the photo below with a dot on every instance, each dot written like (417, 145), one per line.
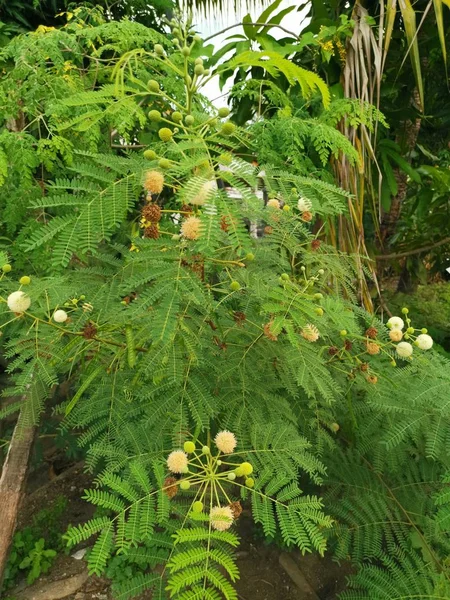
(259, 24)
(416, 251)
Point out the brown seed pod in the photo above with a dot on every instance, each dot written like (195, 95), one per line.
(186, 208)
(332, 350)
(372, 333)
(364, 366)
(348, 345)
(151, 232)
(307, 216)
(171, 487)
(152, 213)
(315, 244)
(268, 333)
(268, 229)
(236, 509)
(372, 379)
(239, 317)
(89, 330)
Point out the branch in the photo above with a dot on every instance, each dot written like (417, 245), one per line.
(416, 251)
(260, 24)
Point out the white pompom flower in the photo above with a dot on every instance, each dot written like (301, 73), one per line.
(206, 191)
(395, 323)
(18, 302)
(424, 341)
(226, 441)
(60, 316)
(177, 461)
(404, 349)
(303, 204)
(221, 517)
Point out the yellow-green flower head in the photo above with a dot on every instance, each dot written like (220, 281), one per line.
(189, 447)
(25, 280)
(18, 302)
(6, 268)
(250, 482)
(225, 441)
(177, 461)
(197, 507)
(246, 468)
(165, 134)
(221, 517)
(228, 128)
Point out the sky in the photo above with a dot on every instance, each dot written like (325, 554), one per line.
(294, 21)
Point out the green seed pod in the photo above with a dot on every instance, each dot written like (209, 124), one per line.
(158, 49)
(235, 286)
(228, 128)
(155, 116)
(199, 70)
(223, 112)
(319, 312)
(246, 468)
(150, 154)
(185, 51)
(197, 38)
(164, 163)
(177, 117)
(199, 61)
(185, 485)
(153, 85)
(189, 120)
(197, 507)
(285, 276)
(165, 134)
(250, 256)
(189, 447)
(207, 72)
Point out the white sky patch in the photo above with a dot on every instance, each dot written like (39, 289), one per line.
(207, 26)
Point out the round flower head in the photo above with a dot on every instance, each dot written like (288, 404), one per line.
(424, 341)
(205, 193)
(372, 348)
(226, 441)
(273, 203)
(310, 333)
(177, 461)
(304, 204)
(395, 323)
(18, 302)
(404, 349)
(396, 335)
(221, 517)
(60, 316)
(190, 228)
(154, 182)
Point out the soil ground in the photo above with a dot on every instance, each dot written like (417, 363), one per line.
(262, 575)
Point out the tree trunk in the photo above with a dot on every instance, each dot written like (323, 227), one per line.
(12, 485)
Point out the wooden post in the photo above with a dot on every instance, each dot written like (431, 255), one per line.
(12, 485)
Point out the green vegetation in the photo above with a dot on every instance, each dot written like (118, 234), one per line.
(210, 369)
